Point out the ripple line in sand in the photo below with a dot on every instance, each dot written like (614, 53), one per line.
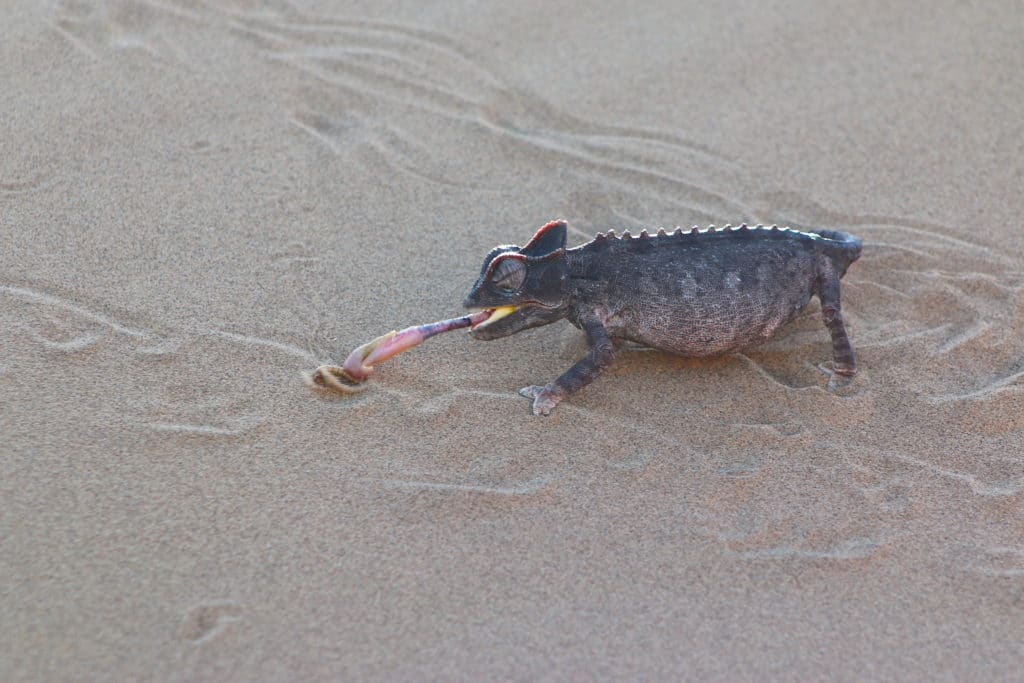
(347, 31)
(164, 347)
(781, 381)
(198, 429)
(394, 38)
(94, 28)
(79, 343)
(636, 462)
(50, 300)
(147, 343)
(975, 330)
(488, 393)
(524, 489)
(174, 10)
(19, 187)
(793, 203)
(269, 343)
(428, 70)
(402, 151)
(786, 430)
(1000, 561)
(60, 28)
(881, 337)
(368, 79)
(930, 231)
(1011, 382)
(976, 485)
(314, 130)
(390, 156)
(631, 175)
(852, 549)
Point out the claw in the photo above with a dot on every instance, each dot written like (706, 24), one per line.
(531, 391)
(544, 398)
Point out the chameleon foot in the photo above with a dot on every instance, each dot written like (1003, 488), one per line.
(544, 398)
(840, 378)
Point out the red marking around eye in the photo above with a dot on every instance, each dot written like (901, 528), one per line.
(501, 257)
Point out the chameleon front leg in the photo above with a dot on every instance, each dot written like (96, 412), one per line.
(585, 371)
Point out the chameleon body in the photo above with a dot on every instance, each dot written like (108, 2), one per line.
(694, 293)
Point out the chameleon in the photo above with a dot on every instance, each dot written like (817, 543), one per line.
(694, 293)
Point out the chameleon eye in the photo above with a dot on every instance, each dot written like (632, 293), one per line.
(509, 274)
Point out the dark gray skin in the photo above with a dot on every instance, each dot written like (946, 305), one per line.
(694, 293)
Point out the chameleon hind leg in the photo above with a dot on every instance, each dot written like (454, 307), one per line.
(844, 362)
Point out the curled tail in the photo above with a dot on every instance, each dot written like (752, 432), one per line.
(842, 247)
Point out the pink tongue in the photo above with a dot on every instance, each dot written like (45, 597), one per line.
(360, 362)
(478, 318)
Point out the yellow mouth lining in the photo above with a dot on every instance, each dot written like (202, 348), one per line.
(496, 314)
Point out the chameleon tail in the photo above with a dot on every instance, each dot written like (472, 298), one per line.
(843, 248)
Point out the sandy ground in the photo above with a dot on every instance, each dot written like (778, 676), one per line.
(200, 200)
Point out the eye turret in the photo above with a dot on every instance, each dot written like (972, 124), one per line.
(508, 274)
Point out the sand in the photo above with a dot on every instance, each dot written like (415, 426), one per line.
(201, 200)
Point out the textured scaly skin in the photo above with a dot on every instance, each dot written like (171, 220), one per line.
(693, 293)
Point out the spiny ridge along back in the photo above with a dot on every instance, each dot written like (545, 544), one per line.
(742, 229)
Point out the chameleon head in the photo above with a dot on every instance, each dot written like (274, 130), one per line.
(522, 287)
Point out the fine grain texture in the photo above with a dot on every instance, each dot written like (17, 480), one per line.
(200, 200)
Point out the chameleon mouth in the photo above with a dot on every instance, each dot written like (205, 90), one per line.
(493, 315)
